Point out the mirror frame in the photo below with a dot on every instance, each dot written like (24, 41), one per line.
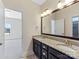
(61, 36)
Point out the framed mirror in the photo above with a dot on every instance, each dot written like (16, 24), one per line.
(62, 23)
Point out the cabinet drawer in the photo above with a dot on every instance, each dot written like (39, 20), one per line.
(59, 54)
(44, 46)
(44, 53)
(43, 57)
(52, 56)
(36, 41)
(54, 52)
(37, 48)
(62, 56)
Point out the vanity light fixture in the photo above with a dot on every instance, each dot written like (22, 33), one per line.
(60, 5)
(43, 14)
(46, 12)
(69, 2)
(66, 3)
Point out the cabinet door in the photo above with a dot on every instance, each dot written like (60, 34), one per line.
(38, 51)
(37, 48)
(62, 56)
(43, 57)
(52, 56)
(34, 47)
(59, 54)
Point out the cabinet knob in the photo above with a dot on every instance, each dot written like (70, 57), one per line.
(44, 47)
(44, 53)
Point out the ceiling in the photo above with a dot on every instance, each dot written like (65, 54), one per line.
(39, 2)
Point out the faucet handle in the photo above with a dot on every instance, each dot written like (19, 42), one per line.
(68, 42)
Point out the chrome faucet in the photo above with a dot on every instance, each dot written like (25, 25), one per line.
(68, 43)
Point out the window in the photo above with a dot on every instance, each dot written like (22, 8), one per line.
(7, 28)
(75, 21)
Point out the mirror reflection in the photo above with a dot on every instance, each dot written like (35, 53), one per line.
(63, 22)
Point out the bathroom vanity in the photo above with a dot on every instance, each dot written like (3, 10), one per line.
(63, 27)
(45, 48)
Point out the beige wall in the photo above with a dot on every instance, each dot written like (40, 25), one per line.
(31, 20)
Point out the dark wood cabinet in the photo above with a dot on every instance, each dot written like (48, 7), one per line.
(43, 51)
(37, 48)
(57, 54)
(44, 54)
(51, 56)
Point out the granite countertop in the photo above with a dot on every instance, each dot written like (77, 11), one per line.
(71, 51)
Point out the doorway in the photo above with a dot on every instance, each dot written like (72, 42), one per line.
(13, 34)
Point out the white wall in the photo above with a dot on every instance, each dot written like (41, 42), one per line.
(1, 30)
(31, 20)
(1, 22)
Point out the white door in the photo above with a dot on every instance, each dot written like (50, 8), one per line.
(13, 34)
(1, 30)
(59, 27)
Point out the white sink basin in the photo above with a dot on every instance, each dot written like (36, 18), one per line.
(68, 50)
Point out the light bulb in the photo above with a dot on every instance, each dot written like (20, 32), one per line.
(46, 13)
(68, 2)
(60, 5)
